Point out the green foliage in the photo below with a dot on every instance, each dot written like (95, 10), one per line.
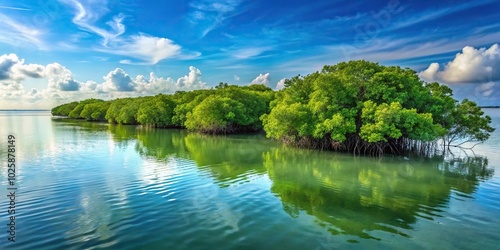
(124, 111)
(222, 85)
(333, 105)
(128, 112)
(64, 109)
(76, 112)
(214, 113)
(95, 111)
(157, 112)
(257, 88)
(354, 106)
(385, 121)
(186, 102)
(228, 109)
(360, 105)
(470, 124)
(114, 109)
(288, 122)
(441, 104)
(225, 109)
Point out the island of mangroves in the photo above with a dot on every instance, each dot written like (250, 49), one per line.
(358, 107)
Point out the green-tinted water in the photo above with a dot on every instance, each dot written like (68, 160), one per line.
(89, 185)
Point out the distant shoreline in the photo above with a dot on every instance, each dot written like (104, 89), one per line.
(489, 107)
(24, 110)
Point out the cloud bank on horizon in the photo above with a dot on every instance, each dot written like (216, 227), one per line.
(57, 51)
(63, 87)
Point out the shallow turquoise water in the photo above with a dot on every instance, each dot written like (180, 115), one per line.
(92, 186)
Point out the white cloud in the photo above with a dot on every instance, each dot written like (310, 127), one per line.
(6, 63)
(16, 34)
(118, 80)
(261, 79)
(119, 83)
(9, 86)
(14, 8)
(280, 84)
(470, 66)
(486, 89)
(191, 80)
(148, 49)
(11, 67)
(86, 16)
(91, 87)
(430, 73)
(62, 87)
(31, 70)
(154, 84)
(60, 78)
(236, 78)
(144, 47)
(207, 15)
(13, 72)
(249, 52)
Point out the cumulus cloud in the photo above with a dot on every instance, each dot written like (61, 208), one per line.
(31, 70)
(280, 84)
(117, 83)
(430, 73)
(118, 80)
(470, 66)
(192, 79)
(261, 79)
(63, 87)
(6, 63)
(154, 84)
(13, 68)
(236, 78)
(10, 86)
(60, 78)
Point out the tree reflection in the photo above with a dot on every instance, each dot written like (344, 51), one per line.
(347, 195)
(79, 124)
(123, 132)
(227, 158)
(161, 143)
(357, 196)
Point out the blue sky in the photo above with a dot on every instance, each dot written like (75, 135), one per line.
(62, 50)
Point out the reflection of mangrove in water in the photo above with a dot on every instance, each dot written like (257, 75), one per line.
(355, 196)
(123, 133)
(160, 143)
(227, 158)
(74, 124)
(347, 195)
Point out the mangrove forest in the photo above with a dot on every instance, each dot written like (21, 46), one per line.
(359, 107)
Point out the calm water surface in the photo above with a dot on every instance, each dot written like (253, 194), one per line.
(93, 186)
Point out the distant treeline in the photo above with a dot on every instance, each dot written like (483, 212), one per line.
(357, 106)
(224, 109)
